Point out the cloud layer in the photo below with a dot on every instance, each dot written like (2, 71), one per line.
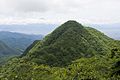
(58, 11)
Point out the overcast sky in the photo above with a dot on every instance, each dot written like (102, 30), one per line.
(59, 11)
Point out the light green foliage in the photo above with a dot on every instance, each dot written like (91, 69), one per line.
(95, 68)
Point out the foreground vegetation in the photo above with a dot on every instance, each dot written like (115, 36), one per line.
(94, 68)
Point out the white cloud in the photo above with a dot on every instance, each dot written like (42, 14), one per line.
(57, 11)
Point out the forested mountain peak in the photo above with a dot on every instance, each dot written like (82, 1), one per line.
(69, 42)
(72, 22)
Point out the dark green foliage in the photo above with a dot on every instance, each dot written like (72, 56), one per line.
(30, 47)
(116, 66)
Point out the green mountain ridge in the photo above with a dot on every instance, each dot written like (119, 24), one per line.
(71, 52)
(69, 42)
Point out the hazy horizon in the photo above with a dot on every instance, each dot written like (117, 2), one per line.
(111, 30)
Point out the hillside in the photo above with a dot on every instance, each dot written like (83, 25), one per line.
(69, 42)
(5, 50)
(71, 52)
(18, 41)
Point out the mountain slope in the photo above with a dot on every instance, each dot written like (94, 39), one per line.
(18, 41)
(6, 51)
(69, 42)
(30, 47)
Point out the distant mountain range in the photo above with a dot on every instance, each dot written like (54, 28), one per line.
(18, 41)
(5, 50)
(112, 30)
(43, 29)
